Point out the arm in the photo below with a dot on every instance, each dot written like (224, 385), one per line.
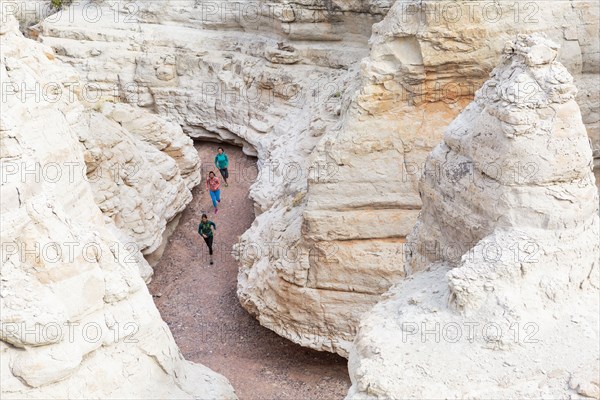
(214, 227)
(200, 231)
(216, 162)
(226, 160)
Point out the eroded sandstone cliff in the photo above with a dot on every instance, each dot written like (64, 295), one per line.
(341, 142)
(269, 78)
(76, 318)
(504, 275)
(364, 200)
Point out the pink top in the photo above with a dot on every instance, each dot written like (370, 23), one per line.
(214, 184)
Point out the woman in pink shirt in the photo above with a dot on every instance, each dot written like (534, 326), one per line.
(213, 185)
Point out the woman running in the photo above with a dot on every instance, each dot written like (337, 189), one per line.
(206, 230)
(222, 162)
(213, 185)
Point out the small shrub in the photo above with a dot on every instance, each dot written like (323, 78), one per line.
(59, 4)
(298, 198)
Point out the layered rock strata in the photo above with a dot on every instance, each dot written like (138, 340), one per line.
(425, 63)
(286, 81)
(504, 269)
(76, 318)
(256, 77)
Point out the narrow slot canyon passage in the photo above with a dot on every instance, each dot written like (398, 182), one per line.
(199, 302)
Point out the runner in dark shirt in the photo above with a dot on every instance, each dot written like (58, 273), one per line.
(205, 229)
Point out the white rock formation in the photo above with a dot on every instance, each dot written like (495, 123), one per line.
(137, 156)
(501, 300)
(426, 60)
(259, 83)
(76, 319)
(275, 77)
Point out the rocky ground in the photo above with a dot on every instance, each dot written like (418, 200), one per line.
(200, 305)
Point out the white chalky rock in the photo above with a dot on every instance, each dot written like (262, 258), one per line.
(341, 124)
(501, 299)
(76, 319)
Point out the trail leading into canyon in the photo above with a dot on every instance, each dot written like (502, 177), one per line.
(199, 303)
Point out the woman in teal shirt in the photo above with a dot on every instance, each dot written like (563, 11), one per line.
(222, 163)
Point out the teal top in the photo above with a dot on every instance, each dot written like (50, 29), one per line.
(221, 161)
(204, 228)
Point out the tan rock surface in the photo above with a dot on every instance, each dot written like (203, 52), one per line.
(76, 319)
(137, 156)
(289, 79)
(232, 79)
(504, 270)
(426, 61)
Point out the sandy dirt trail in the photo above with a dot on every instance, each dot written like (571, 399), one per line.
(199, 303)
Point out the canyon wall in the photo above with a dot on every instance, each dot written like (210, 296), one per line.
(364, 200)
(341, 124)
(426, 61)
(269, 78)
(512, 297)
(78, 183)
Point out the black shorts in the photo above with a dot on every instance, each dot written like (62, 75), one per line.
(224, 173)
(209, 243)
